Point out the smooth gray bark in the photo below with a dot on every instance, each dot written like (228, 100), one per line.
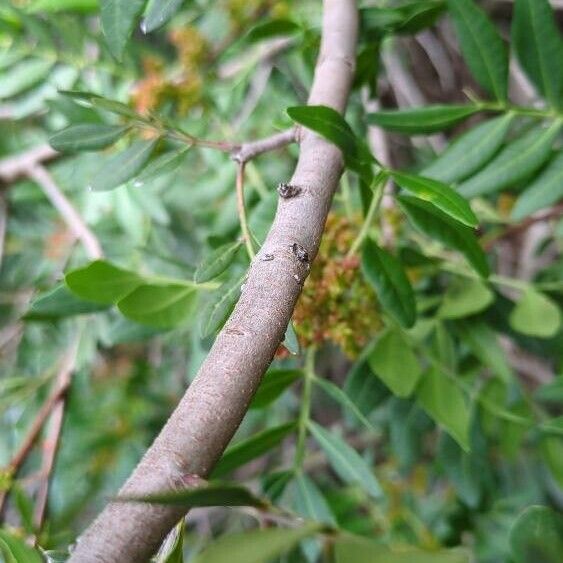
(206, 418)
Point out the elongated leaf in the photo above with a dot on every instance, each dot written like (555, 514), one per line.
(22, 76)
(161, 306)
(275, 382)
(87, 137)
(465, 298)
(483, 342)
(54, 6)
(437, 225)
(439, 194)
(214, 493)
(102, 282)
(217, 262)
(158, 13)
(345, 461)
(172, 550)
(539, 48)
(118, 20)
(123, 166)
(445, 403)
(59, 303)
(536, 315)
(332, 126)
(309, 501)
(395, 363)
(257, 546)
(546, 190)
(340, 396)
(537, 535)
(429, 119)
(219, 307)
(164, 164)
(15, 550)
(519, 159)
(290, 340)
(348, 549)
(385, 273)
(470, 152)
(272, 28)
(482, 47)
(253, 447)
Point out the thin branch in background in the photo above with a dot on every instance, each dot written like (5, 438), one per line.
(51, 404)
(69, 214)
(242, 210)
(406, 90)
(14, 167)
(438, 57)
(256, 90)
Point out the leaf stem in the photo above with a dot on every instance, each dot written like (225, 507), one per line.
(378, 185)
(304, 415)
(242, 211)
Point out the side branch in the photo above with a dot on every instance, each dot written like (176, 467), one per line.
(200, 428)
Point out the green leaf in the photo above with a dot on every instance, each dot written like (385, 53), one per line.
(102, 282)
(274, 383)
(22, 76)
(537, 535)
(348, 549)
(54, 6)
(465, 297)
(59, 303)
(217, 262)
(341, 397)
(482, 47)
(470, 152)
(483, 342)
(345, 461)
(429, 119)
(15, 550)
(439, 195)
(118, 20)
(164, 164)
(546, 190)
(437, 225)
(214, 493)
(290, 340)
(161, 306)
(87, 137)
(516, 161)
(123, 166)
(257, 546)
(536, 314)
(444, 402)
(272, 28)
(537, 41)
(552, 455)
(247, 450)
(309, 501)
(386, 275)
(332, 126)
(172, 550)
(219, 307)
(395, 363)
(158, 13)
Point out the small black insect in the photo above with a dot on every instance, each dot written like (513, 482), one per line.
(288, 190)
(301, 254)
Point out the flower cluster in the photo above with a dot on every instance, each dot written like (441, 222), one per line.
(337, 305)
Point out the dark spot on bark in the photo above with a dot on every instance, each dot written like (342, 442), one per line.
(267, 257)
(301, 254)
(288, 190)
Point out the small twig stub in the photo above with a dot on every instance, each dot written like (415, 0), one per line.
(288, 190)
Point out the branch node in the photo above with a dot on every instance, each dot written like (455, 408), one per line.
(287, 191)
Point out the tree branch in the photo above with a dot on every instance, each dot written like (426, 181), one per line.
(14, 167)
(252, 149)
(208, 415)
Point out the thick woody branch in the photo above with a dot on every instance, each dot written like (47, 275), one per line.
(208, 415)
